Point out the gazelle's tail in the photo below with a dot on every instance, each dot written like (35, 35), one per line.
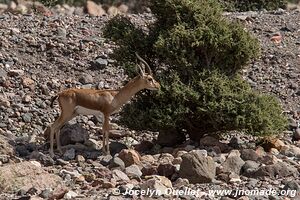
(52, 100)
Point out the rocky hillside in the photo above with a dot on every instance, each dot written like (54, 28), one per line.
(42, 53)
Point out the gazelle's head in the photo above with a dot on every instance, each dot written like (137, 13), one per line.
(146, 76)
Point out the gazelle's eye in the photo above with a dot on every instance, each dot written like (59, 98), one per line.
(149, 79)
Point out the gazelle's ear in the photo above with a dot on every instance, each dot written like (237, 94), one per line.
(141, 70)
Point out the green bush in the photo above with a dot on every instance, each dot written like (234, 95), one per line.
(247, 5)
(211, 103)
(196, 55)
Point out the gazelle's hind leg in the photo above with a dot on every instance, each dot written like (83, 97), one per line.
(61, 120)
(57, 135)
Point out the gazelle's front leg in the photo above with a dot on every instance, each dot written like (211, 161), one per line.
(105, 147)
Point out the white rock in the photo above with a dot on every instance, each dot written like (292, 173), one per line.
(70, 195)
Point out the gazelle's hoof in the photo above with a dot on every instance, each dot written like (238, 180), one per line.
(105, 152)
(60, 151)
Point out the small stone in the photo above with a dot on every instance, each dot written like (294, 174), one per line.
(133, 171)
(116, 162)
(268, 159)
(69, 154)
(86, 79)
(4, 158)
(70, 195)
(130, 157)
(235, 142)
(157, 183)
(46, 193)
(80, 159)
(166, 158)
(27, 117)
(180, 182)
(197, 168)
(15, 72)
(177, 161)
(166, 169)
(105, 160)
(149, 170)
(119, 175)
(292, 185)
(209, 141)
(61, 162)
(271, 171)
(123, 8)
(249, 167)
(100, 63)
(291, 151)
(233, 164)
(93, 144)
(61, 32)
(80, 179)
(296, 135)
(112, 11)
(249, 154)
(44, 159)
(27, 99)
(89, 177)
(27, 82)
(293, 123)
(94, 9)
(4, 101)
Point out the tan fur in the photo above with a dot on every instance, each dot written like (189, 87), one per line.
(105, 101)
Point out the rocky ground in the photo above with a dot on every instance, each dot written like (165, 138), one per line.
(41, 54)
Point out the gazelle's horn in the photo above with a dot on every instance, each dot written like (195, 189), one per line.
(148, 69)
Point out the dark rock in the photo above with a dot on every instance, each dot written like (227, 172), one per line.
(69, 154)
(249, 154)
(166, 169)
(116, 147)
(170, 137)
(72, 134)
(296, 135)
(236, 142)
(278, 170)
(22, 150)
(44, 159)
(149, 170)
(144, 146)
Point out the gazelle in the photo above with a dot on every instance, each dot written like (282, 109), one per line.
(74, 102)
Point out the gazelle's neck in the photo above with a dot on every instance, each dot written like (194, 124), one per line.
(127, 92)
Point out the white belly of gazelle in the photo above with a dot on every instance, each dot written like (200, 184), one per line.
(85, 111)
